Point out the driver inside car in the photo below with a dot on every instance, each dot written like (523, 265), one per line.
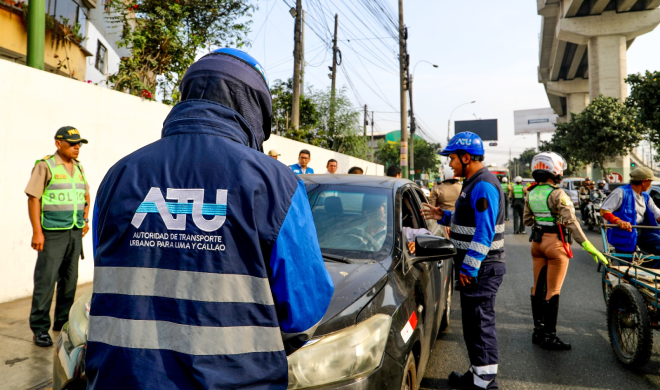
(374, 230)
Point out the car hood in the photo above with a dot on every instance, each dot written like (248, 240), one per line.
(355, 285)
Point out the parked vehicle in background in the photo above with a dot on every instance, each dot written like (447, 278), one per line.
(499, 172)
(654, 192)
(388, 307)
(571, 185)
(527, 182)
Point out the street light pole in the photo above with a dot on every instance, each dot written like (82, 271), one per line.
(413, 123)
(450, 115)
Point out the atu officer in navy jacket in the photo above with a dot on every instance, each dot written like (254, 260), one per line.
(207, 263)
(477, 232)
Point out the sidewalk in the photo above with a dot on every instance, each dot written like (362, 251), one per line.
(23, 365)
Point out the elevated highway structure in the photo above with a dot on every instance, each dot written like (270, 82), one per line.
(583, 45)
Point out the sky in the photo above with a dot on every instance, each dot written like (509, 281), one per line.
(485, 52)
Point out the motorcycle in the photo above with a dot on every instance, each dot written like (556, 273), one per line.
(592, 216)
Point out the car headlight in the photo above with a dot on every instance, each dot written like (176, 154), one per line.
(78, 320)
(342, 355)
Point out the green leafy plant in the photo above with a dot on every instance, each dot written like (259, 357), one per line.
(166, 36)
(645, 97)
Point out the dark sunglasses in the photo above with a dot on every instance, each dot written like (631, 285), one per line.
(74, 143)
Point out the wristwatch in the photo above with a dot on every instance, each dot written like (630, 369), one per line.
(86, 220)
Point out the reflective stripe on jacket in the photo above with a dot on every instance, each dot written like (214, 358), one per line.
(63, 200)
(622, 239)
(206, 261)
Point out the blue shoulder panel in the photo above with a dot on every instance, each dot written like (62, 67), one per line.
(301, 286)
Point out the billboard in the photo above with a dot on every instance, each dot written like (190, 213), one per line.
(484, 128)
(538, 120)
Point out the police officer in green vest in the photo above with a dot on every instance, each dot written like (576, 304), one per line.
(505, 189)
(58, 204)
(550, 211)
(517, 197)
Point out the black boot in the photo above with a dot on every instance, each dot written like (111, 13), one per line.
(537, 314)
(550, 339)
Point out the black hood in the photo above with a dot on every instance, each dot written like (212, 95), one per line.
(232, 82)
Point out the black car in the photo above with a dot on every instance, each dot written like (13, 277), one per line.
(388, 305)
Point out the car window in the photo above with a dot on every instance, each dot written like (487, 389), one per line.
(411, 211)
(351, 221)
(564, 184)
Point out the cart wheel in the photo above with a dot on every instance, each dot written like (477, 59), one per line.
(607, 291)
(629, 326)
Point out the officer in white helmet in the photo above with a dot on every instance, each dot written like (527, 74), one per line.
(506, 188)
(445, 194)
(549, 210)
(517, 198)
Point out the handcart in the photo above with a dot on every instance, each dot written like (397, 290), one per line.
(631, 294)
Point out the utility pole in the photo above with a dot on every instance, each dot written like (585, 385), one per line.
(403, 60)
(334, 74)
(373, 155)
(413, 127)
(295, 106)
(36, 35)
(302, 60)
(366, 122)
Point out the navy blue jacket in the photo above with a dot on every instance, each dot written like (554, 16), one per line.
(477, 224)
(206, 261)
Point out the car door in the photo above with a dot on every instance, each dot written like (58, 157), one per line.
(425, 274)
(654, 192)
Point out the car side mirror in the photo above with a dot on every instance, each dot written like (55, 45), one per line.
(433, 248)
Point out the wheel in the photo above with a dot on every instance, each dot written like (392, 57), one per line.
(629, 326)
(446, 314)
(409, 374)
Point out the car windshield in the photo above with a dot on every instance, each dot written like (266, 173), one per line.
(355, 222)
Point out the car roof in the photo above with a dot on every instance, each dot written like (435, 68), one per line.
(357, 180)
(573, 179)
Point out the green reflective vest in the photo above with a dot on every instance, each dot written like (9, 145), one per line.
(63, 201)
(505, 188)
(518, 192)
(538, 202)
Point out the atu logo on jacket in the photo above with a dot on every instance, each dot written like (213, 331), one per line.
(155, 203)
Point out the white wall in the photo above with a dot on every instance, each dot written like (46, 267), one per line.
(319, 158)
(33, 105)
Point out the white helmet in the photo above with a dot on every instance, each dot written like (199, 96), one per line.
(517, 179)
(549, 162)
(505, 180)
(447, 172)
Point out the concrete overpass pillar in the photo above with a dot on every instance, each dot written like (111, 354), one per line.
(608, 36)
(608, 66)
(576, 93)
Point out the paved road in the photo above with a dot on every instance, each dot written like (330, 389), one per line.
(582, 322)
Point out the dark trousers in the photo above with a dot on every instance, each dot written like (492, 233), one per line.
(506, 206)
(56, 264)
(478, 306)
(518, 210)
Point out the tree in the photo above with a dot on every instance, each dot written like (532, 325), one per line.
(645, 97)
(523, 163)
(561, 144)
(605, 129)
(342, 134)
(426, 157)
(388, 154)
(165, 37)
(282, 94)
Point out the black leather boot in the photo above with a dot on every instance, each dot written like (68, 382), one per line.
(537, 314)
(550, 339)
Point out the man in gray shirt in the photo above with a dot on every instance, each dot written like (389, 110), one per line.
(631, 205)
